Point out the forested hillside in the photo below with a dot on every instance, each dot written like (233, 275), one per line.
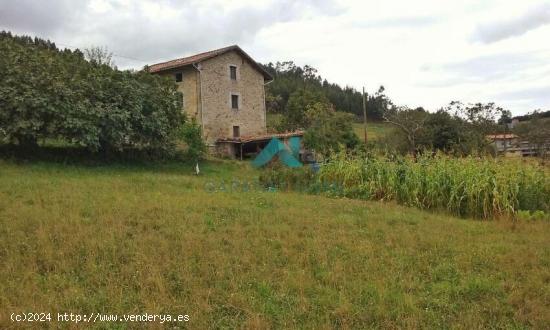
(290, 78)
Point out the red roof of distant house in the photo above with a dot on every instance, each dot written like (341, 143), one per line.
(501, 136)
(194, 59)
(244, 139)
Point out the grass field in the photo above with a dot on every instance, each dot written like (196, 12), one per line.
(375, 130)
(135, 239)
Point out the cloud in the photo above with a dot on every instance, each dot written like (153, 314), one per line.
(538, 95)
(153, 30)
(527, 99)
(398, 22)
(487, 68)
(504, 29)
(44, 16)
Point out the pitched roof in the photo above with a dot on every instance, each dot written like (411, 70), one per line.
(185, 61)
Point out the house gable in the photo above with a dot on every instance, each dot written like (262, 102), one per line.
(228, 103)
(198, 58)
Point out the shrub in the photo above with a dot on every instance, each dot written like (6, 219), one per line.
(191, 134)
(328, 130)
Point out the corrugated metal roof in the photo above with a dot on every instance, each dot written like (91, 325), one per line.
(501, 136)
(245, 139)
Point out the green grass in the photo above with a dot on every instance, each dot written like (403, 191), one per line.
(375, 130)
(273, 121)
(135, 239)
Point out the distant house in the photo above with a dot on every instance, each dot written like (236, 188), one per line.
(503, 142)
(511, 145)
(224, 90)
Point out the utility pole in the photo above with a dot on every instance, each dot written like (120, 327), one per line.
(365, 115)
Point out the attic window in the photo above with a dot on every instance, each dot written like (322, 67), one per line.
(233, 72)
(179, 77)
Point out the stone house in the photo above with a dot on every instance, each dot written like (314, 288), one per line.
(224, 90)
(510, 145)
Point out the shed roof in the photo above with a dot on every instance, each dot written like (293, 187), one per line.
(194, 59)
(263, 137)
(501, 136)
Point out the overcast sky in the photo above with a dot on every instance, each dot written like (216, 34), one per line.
(425, 52)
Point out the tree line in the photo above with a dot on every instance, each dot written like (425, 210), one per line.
(83, 100)
(52, 94)
(290, 78)
(326, 111)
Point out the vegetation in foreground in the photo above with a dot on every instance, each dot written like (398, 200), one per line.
(131, 239)
(472, 186)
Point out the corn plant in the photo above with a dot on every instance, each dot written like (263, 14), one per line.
(471, 186)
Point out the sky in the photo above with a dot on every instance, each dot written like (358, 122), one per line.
(424, 52)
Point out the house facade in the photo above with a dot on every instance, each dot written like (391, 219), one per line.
(224, 90)
(510, 145)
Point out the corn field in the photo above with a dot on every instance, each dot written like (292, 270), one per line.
(477, 187)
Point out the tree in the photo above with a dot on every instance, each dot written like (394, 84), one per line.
(537, 132)
(538, 113)
(46, 93)
(441, 132)
(410, 122)
(191, 135)
(478, 120)
(100, 56)
(290, 78)
(274, 103)
(328, 130)
(295, 112)
(378, 104)
(505, 117)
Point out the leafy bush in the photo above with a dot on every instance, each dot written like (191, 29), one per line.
(298, 102)
(46, 93)
(191, 134)
(328, 129)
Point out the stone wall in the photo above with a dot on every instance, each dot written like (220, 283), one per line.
(189, 88)
(218, 117)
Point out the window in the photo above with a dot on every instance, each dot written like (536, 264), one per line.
(179, 77)
(234, 101)
(236, 131)
(233, 72)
